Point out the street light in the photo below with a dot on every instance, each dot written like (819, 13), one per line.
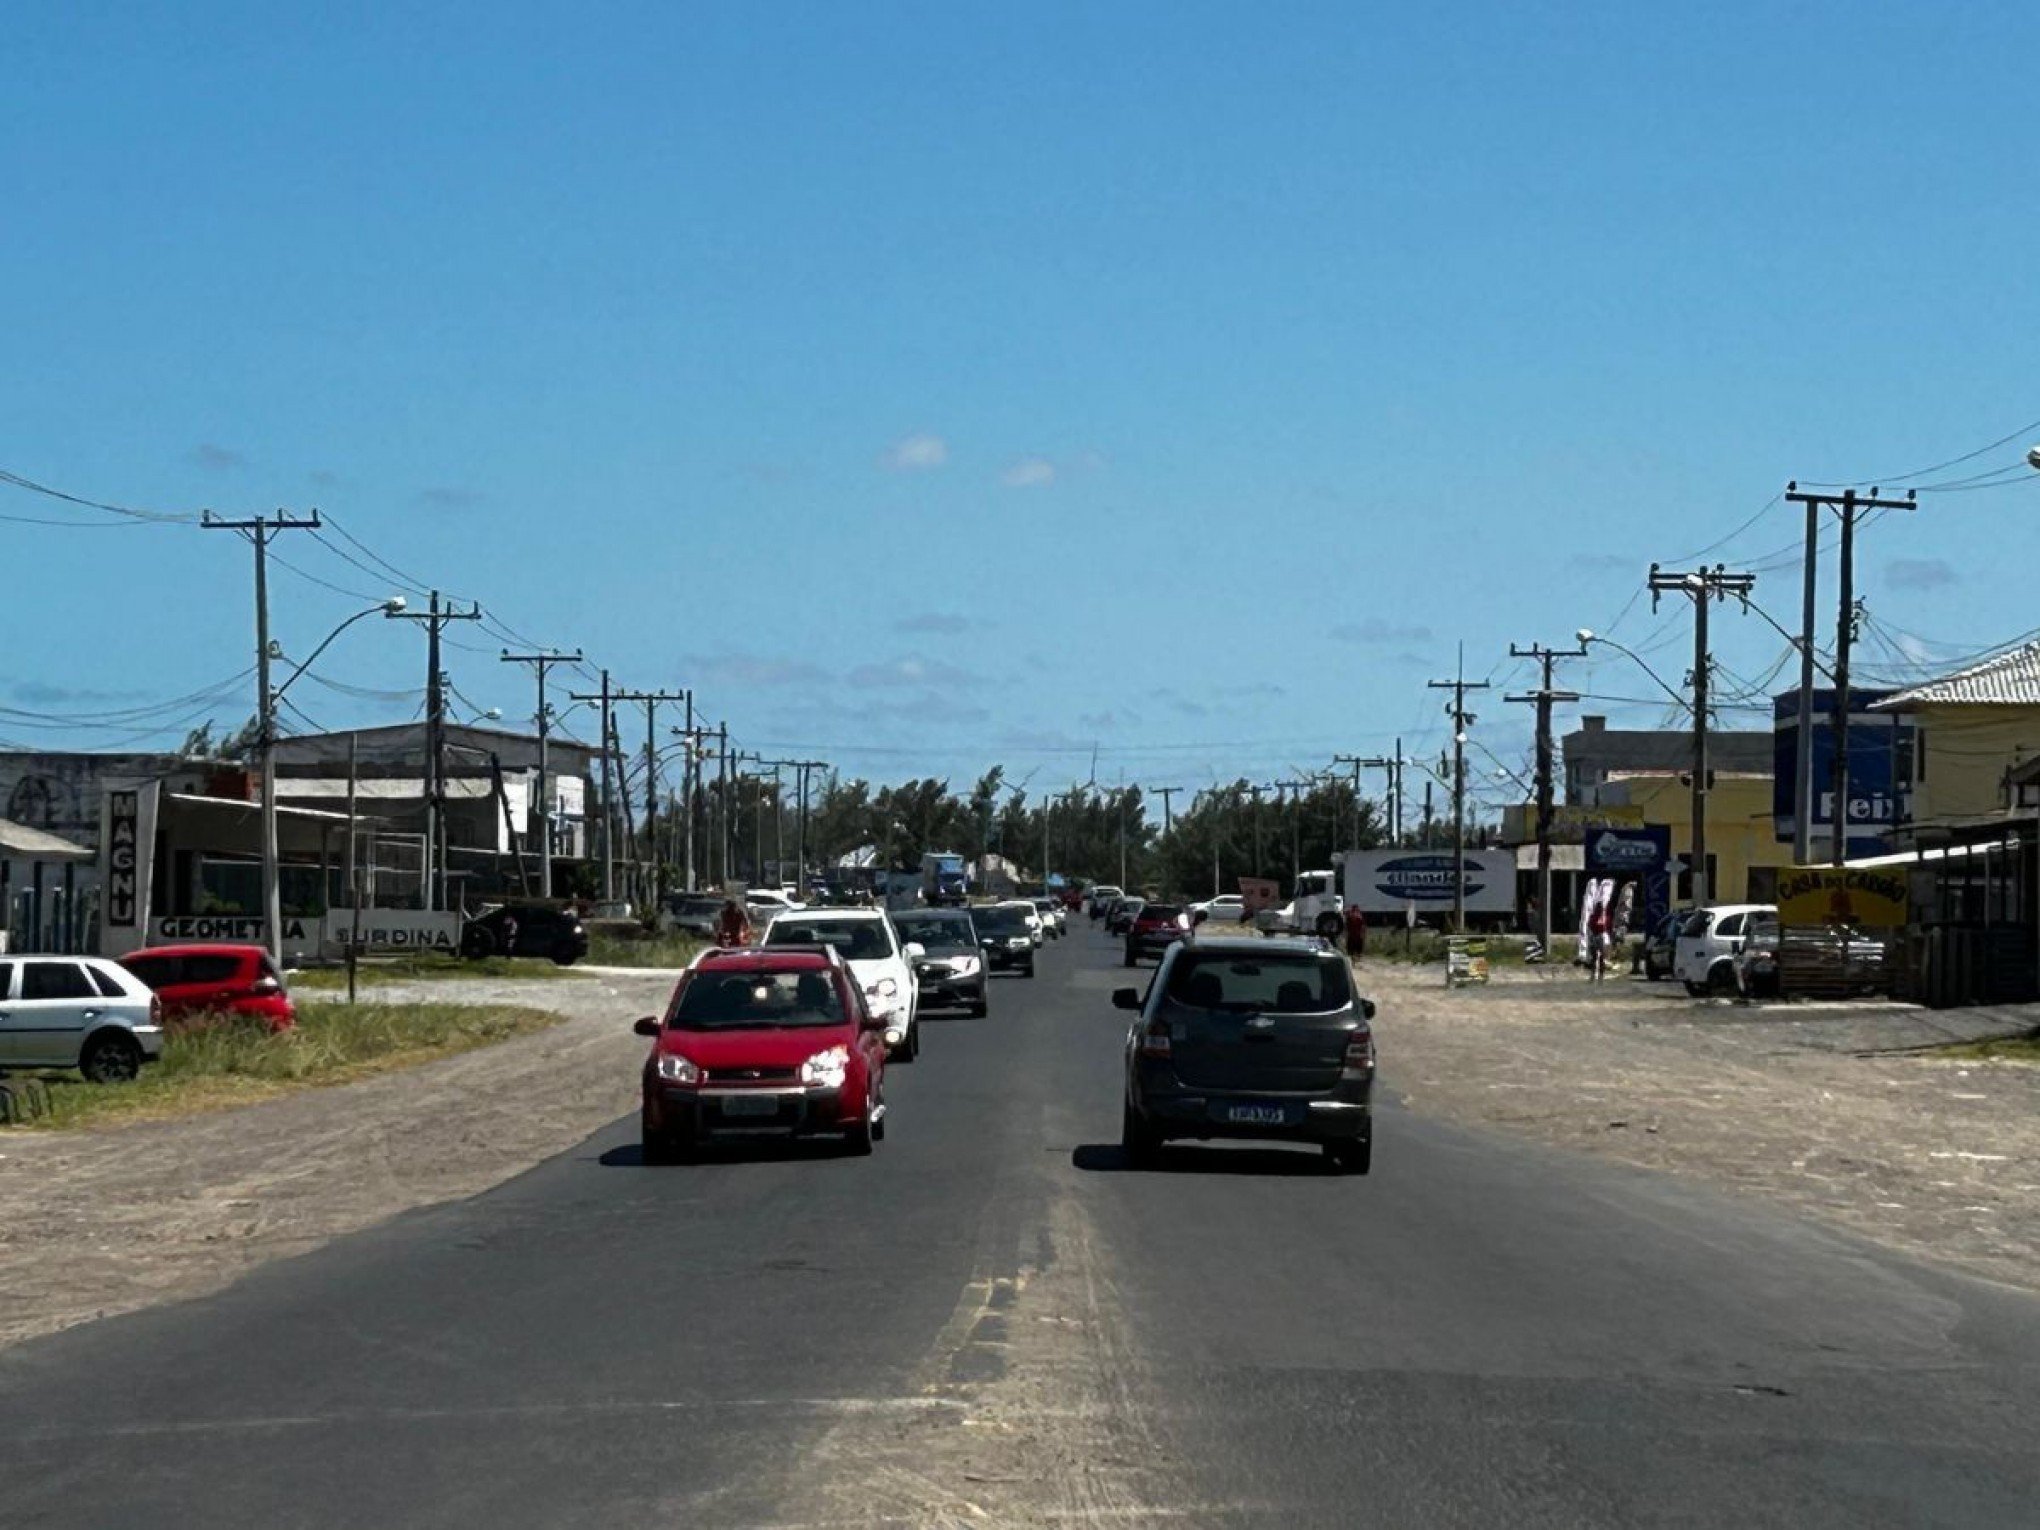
(272, 859)
(1588, 636)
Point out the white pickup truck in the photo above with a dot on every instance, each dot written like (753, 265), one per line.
(1316, 908)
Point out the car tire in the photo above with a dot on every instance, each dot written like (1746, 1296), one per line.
(655, 1147)
(1721, 978)
(564, 954)
(478, 945)
(981, 1008)
(1697, 990)
(1131, 959)
(1354, 1156)
(111, 1057)
(862, 1136)
(1141, 1143)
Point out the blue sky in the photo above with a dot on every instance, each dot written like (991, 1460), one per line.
(929, 385)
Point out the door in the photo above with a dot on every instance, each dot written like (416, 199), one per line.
(53, 1004)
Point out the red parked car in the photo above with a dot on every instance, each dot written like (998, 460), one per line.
(758, 1042)
(1154, 929)
(201, 980)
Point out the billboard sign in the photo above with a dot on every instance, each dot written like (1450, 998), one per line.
(1388, 881)
(1862, 897)
(1880, 769)
(1641, 855)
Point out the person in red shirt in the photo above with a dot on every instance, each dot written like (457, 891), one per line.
(732, 928)
(1356, 933)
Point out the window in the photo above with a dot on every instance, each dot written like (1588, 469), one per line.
(1919, 755)
(211, 969)
(1730, 927)
(107, 984)
(159, 972)
(860, 940)
(941, 932)
(55, 980)
(1299, 984)
(6, 980)
(715, 1000)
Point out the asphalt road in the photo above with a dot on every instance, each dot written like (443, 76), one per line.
(994, 1321)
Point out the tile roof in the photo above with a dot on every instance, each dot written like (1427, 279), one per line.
(2011, 678)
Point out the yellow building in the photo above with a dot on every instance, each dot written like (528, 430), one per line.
(1743, 851)
(1972, 728)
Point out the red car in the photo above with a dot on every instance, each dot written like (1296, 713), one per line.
(1154, 929)
(763, 1043)
(201, 980)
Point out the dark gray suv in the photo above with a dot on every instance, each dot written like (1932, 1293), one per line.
(1250, 1038)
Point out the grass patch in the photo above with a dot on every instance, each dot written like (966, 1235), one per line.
(221, 1066)
(2016, 1049)
(423, 967)
(643, 950)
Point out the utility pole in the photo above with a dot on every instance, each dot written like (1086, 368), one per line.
(541, 662)
(435, 616)
(1255, 793)
(802, 767)
(258, 530)
(652, 701)
(1544, 696)
(1391, 771)
(1847, 503)
(1459, 685)
(1167, 794)
(1702, 586)
(608, 800)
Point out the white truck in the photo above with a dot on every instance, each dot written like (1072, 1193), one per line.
(1314, 908)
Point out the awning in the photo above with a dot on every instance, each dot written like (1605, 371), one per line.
(19, 842)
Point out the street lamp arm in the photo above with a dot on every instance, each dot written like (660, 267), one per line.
(1588, 638)
(392, 606)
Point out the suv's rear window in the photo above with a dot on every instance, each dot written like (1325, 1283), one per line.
(1299, 983)
(1159, 911)
(860, 940)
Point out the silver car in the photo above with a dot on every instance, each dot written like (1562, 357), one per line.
(78, 1012)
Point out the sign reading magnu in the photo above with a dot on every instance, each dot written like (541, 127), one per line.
(1824, 895)
(123, 858)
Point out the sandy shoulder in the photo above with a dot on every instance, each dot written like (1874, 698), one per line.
(102, 1221)
(1938, 1158)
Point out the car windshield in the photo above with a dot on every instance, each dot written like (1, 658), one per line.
(938, 932)
(860, 940)
(999, 921)
(1283, 983)
(735, 1001)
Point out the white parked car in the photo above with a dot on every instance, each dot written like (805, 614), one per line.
(1036, 930)
(1704, 956)
(77, 1012)
(881, 964)
(1226, 906)
(765, 901)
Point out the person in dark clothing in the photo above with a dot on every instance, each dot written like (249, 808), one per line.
(1356, 932)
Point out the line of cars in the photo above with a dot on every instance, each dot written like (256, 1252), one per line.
(108, 1018)
(791, 1036)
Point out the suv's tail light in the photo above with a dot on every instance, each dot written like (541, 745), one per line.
(1154, 1041)
(1360, 1051)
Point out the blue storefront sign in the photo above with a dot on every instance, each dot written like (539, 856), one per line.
(1880, 769)
(1640, 855)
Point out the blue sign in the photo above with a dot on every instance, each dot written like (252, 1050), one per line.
(1641, 855)
(1880, 769)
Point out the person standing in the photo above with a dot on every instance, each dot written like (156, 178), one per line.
(1356, 932)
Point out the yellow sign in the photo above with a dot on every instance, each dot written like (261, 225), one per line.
(1823, 895)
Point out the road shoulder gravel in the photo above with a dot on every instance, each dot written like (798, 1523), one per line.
(103, 1221)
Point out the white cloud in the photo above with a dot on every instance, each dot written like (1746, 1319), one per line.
(915, 453)
(1028, 473)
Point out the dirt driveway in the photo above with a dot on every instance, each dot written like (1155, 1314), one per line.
(99, 1222)
(1809, 1104)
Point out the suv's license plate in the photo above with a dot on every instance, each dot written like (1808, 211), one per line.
(1256, 1115)
(750, 1104)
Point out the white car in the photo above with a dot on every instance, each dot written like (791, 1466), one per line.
(1226, 906)
(763, 900)
(1053, 919)
(880, 963)
(1098, 897)
(1036, 930)
(1704, 956)
(77, 1012)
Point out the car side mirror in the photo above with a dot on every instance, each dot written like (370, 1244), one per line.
(986, 942)
(1126, 998)
(916, 951)
(648, 1026)
(1366, 1009)
(871, 1022)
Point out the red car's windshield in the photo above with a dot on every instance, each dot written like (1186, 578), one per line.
(736, 1001)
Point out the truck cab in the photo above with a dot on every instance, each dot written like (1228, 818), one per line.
(1315, 907)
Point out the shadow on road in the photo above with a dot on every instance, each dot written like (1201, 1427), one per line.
(630, 1155)
(1110, 1158)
